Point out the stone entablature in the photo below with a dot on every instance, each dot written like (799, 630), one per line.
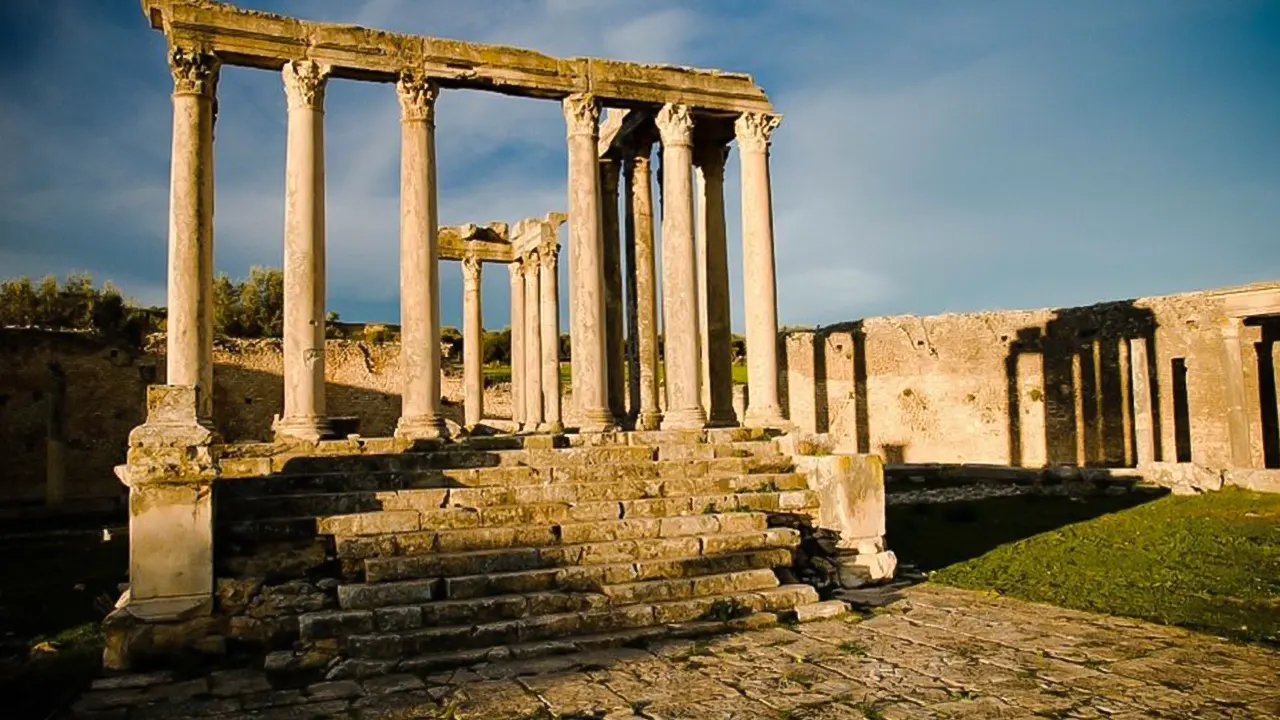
(258, 39)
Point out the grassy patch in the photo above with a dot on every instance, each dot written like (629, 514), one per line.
(51, 607)
(1208, 562)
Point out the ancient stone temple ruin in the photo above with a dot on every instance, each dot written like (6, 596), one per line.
(350, 556)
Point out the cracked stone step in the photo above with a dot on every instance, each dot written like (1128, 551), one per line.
(436, 564)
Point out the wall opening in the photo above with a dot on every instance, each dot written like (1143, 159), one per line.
(1181, 412)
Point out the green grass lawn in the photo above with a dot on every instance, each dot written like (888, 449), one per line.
(1208, 562)
(50, 638)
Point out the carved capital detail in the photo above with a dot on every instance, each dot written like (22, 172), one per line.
(547, 253)
(754, 130)
(195, 72)
(417, 97)
(675, 125)
(582, 114)
(531, 260)
(516, 268)
(471, 269)
(304, 82)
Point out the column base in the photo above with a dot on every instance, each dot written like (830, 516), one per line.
(684, 419)
(766, 417)
(422, 427)
(649, 420)
(552, 427)
(722, 419)
(310, 428)
(598, 420)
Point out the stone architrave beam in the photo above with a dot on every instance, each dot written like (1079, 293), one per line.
(252, 38)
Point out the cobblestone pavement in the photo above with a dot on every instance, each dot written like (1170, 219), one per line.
(939, 652)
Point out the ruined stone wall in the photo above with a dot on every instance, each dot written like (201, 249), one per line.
(1026, 388)
(106, 397)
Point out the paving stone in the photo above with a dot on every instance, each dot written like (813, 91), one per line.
(334, 690)
(132, 680)
(230, 683)
(392, 684)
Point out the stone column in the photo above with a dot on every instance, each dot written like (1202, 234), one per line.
(679, 272)
(549, 289)
(586, 262)
(612, 288)
(760, 296)
(630, 346)
(419, 266)
(472, 343)
(189, 334)
(1143, 419)
(304, 407)
(533, 420)
(1233, 376)
(516, 270)
(713, 287)
(645, 327)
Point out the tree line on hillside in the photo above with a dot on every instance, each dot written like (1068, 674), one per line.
(252, 307)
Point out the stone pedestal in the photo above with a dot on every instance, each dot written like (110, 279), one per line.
(472, 344)
(189, 333)
(586, 264)
(760, 296)
(419, 267)
(304, 415)
(549, 315)
(170, 473)
(679, 273)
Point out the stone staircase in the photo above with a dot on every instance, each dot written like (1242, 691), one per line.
(359, 565)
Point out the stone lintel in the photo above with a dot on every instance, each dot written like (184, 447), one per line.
(487, 243)
(532, 233)
(266, 40)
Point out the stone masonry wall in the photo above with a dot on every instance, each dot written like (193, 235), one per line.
(1025, 388)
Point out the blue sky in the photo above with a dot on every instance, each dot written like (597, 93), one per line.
(934, 156)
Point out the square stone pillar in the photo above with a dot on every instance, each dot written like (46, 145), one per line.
(1143, 418)
(549, 292)
(516, 270)
(760, 294)
(1233, 377)
(533, 418)
(420, 415)
(304, 415)
(639, 186)
(586, 264)
(713, 286)
(679, 273)
(472, 344)
(189, 327)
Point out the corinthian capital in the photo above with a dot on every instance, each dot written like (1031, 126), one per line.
(471, 270)
(304, 82)
(675, 125)
(417, 97)
(516, 268)
(754, 130)
(195, 72)
(582, 114)
(547, 253)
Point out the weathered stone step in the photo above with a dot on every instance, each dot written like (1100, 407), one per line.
(245, 493)
(587, 578)
(336, 624)
(362, 547)
(321, 504)
(449, 564)
(437, 640)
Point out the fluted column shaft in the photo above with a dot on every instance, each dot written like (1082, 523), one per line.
(760, 296)
(516, 269)
(613, 334)
(586, 263)
(549, 288)
(713, 287)
(533, 418)
(472, 344)
(645, 327)
(189, 336)
(304, 402)
(419, 267)
(679, 272)
(630, 308)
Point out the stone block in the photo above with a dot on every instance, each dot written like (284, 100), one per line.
(742, 522)
(233, 683)
(478, 610)
(809, 612)
(367, 597)
(450, 519)
(335, 623)
(1255, 479)
(849, 493)
(396, 619)
(609, 530)
(334, 690)
(372, 523)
